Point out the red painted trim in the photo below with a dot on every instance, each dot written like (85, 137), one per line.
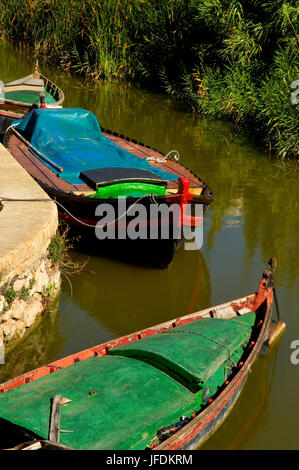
(10, 115)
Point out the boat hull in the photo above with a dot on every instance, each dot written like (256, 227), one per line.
(6, 119)
(197, 431)
(216, 409)
(213, 424)
(79, 214)
(78, 210)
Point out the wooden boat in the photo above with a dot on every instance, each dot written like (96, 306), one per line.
(81, 165)
(22, 95)
(164, 388)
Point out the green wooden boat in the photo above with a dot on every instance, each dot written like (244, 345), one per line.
(22, 94)
(19, 97)
(145, 389)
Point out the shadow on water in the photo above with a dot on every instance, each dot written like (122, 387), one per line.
(140, 252)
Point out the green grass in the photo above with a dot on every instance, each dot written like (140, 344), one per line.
(10, 295)
(228, 59)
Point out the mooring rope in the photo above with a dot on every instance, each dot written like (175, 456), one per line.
(171, 155)
(2, 198)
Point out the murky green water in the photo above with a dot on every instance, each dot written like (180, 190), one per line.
(254, 217)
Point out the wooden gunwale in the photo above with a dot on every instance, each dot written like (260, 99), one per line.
(52, 87)
(18, 108)
(44, 176)
(10, 114)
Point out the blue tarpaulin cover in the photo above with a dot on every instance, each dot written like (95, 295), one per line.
(72, 138)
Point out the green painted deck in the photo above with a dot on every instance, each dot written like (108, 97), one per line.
(120, 402)
(28, 98)
(125, 412)
(193, 351)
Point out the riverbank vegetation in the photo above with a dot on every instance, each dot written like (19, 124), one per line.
(229, 59)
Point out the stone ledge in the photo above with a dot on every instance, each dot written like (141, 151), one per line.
(26, 228)
(2, 354)
(33, 293)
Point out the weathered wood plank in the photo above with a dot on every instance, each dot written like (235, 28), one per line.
(35, 167)
(15, 107)
(54, 432)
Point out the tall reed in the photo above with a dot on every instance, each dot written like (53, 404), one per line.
(231, 59)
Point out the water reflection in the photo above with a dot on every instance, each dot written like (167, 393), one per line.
(121, 298)
(251, 412)
(39, 348)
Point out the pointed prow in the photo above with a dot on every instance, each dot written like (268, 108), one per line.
(277, 327)
(36, 73)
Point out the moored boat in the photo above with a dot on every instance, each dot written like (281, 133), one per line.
(85, 168)
(166, 387)
(20, 96)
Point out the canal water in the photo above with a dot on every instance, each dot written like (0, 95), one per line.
(254, 216)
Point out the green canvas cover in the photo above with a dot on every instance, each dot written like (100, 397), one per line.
(117, 403)
(193, 351)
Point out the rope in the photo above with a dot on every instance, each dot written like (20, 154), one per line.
(199, 334)
(12, 126)
(129, 208)
(69, 213)
(172, 155)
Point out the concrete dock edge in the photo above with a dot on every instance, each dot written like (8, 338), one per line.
(26, 230)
